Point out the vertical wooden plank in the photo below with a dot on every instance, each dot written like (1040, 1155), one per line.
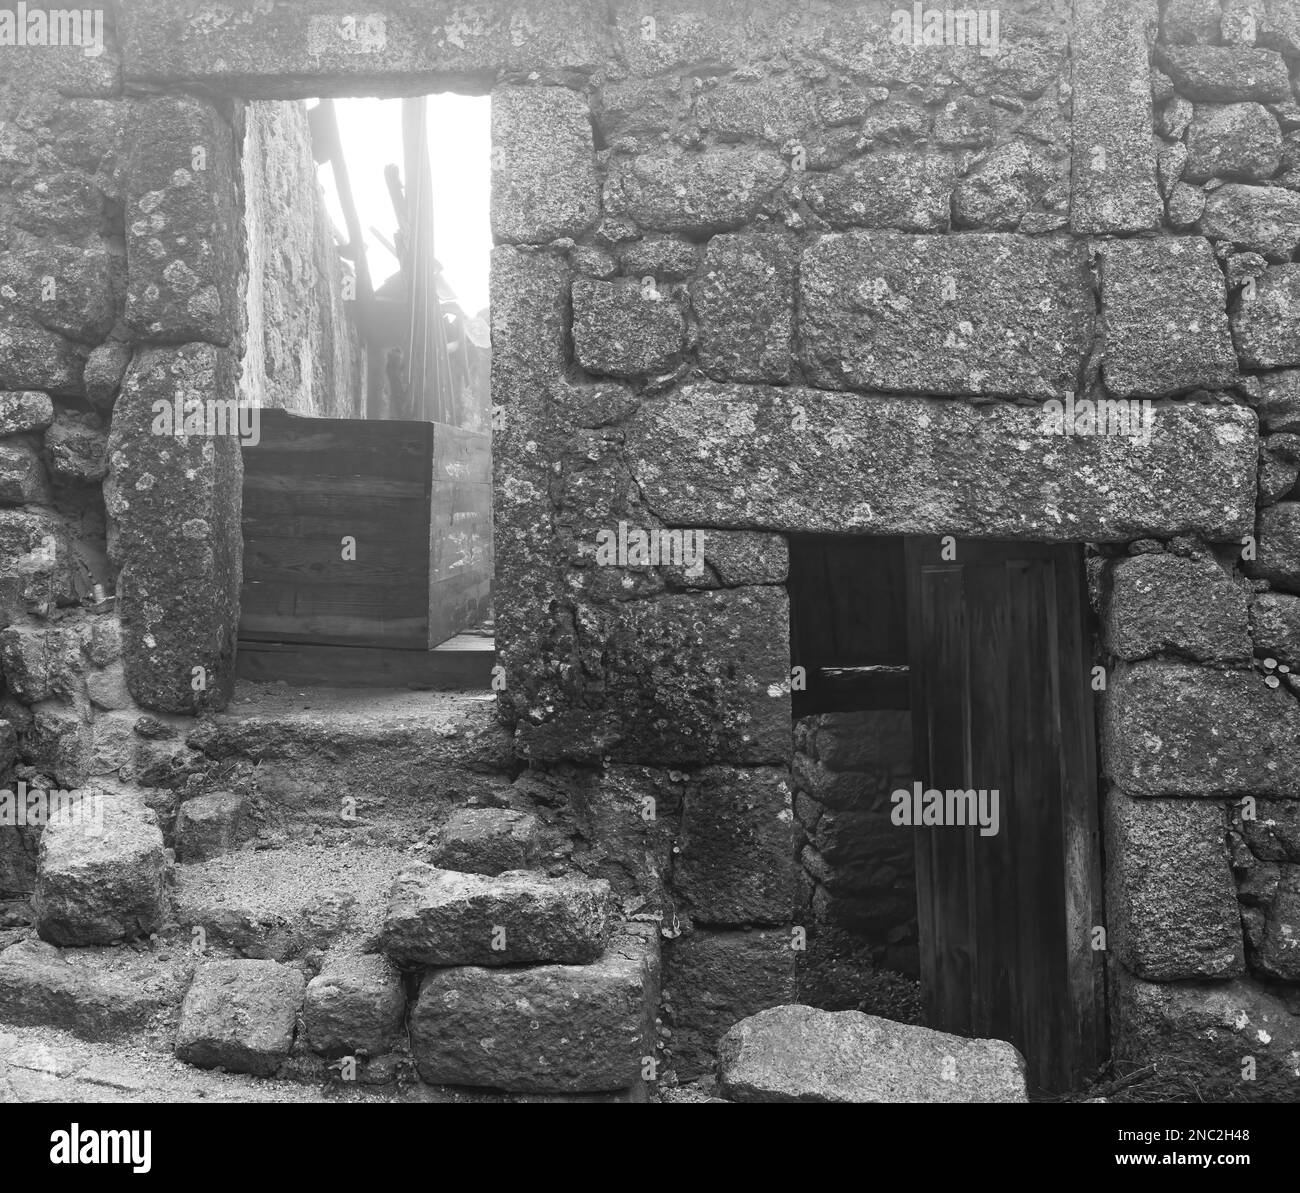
(1033, 815)
(942, 734)
(1085, 969)
(995, 991)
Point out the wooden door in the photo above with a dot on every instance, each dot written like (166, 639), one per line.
(1002, 700)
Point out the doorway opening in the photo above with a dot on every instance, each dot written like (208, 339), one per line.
(946, 792)
(367, 489)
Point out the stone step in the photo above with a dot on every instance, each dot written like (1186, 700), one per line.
(379, 765)
(545, 1028)
(283, 904)
(97, 993)
(445, 917)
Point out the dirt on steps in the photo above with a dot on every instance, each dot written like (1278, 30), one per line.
(378, 765)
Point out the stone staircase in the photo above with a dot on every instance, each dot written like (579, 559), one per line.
(337, 888)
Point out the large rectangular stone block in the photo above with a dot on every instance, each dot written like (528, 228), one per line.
(181, 223)
(981, 313)
(1179, 730)
(1207, 1030)
(735, 865)
(176, 503)
(543, 165)
(1114, 169)
(283, 49)
(1166, 318)
(801, 460)
(1171, 901)
(713, 980)
(544, 1028)
(444, 917)
(685, 678)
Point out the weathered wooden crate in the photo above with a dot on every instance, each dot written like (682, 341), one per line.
(362, 534)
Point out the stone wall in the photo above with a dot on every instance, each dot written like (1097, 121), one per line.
(761, 271)
(858, 872)
(304, 353)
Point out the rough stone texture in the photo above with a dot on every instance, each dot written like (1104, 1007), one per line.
(1279, 467)
(1225, 75)
(96, 994)
(1186, 203)
(97, 887)
(176, 505)
(180, 223)
(1205, 1030)
(740, 457)
(1278, 548)
(442, 917)
(354, 1006)
(40, 662)
(1114, 178)
(745, 304)
(1266, 325)
(1156, 604)
(619, 331)
(802, 1054)
(547, 1028)
(1265, 858)
(33, 358)
(240, 1015)
(23, 480)
(714, 979)
(1233, 141)
(72, 290)
(289, 903)
(1275, 626)
(1172, 729)
(271, 51)
(858, 865)
(544, 182)
(37, 566)
(627, 818)
(399, 755)
(1190, 22)
(1261, 219)
(1011, 181)
(911, 192)
(715, 191)
(687, 678)
(487, 841)
(25, 410)
(1166, 320)
(944, 315)
(302, 351)
(1171, 904)
(208, 825)
(735, 861)
(76, 447)
(102, 377)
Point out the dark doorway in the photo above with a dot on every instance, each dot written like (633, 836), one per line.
(986, 644)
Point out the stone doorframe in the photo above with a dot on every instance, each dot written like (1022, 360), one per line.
(686, 692)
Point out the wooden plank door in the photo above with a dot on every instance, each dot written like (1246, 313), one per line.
(1001, 700)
